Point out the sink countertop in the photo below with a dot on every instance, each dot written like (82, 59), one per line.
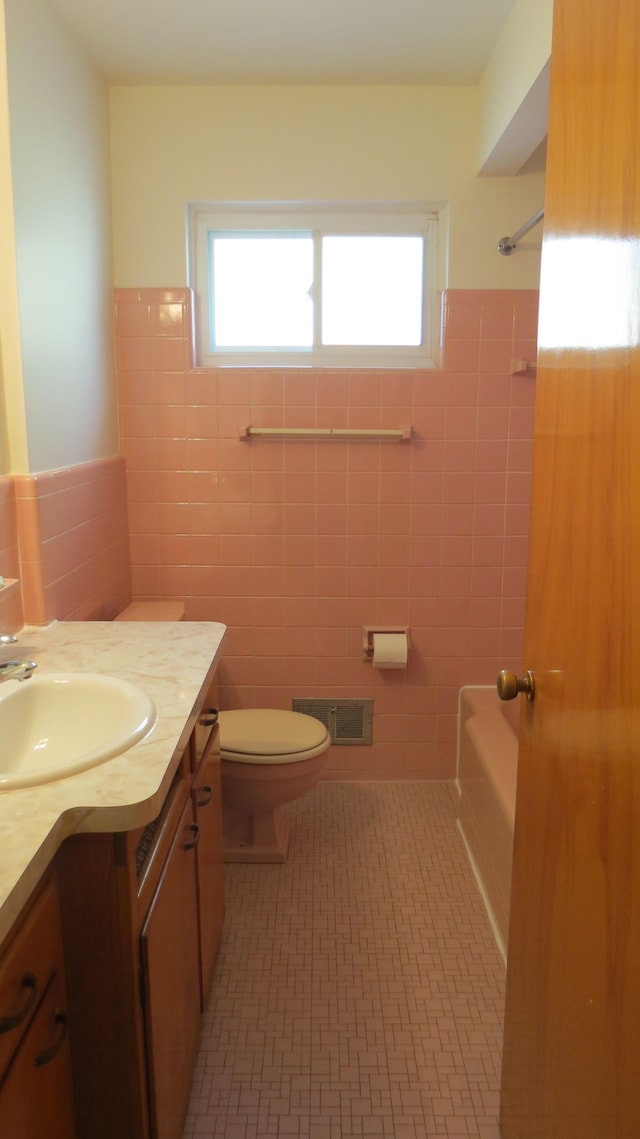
(171, 661)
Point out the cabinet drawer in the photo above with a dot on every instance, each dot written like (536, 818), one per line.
(205, 739)
(26, 967)
(36, 1100)
(205, 728)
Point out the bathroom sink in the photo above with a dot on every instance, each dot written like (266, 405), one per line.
(57, 724)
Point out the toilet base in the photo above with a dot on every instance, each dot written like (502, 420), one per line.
(255, 837)
(255, 827)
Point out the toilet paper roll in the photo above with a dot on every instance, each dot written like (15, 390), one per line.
(390, 650)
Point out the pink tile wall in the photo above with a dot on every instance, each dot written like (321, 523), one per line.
(74, 557)
(295, 545)
(11, 619)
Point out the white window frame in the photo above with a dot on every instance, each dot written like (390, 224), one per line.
(372, 218)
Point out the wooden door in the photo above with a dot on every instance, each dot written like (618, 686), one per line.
(571, 1066)
(171, 964)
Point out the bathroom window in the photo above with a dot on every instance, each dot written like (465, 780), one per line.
(314, 286)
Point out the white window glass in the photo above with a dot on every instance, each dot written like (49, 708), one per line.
(261, 291)
(372, 290)
(315, 284)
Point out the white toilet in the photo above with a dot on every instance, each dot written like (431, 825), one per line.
(269, 757)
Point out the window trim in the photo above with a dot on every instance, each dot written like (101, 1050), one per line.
(377, 218)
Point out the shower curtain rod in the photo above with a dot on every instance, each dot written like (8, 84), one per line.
(507, 245)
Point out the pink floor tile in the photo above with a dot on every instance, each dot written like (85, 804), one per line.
(358, 990)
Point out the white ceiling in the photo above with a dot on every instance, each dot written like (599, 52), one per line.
(287, 41)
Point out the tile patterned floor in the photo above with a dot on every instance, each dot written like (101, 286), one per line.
(358, 990)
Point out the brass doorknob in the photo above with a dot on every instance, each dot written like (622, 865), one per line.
(509, 685)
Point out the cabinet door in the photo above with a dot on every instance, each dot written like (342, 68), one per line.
(36, 1098)
(171, 972)
(208, 805)
(33, 955)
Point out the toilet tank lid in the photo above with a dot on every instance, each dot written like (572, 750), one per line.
(269, 731)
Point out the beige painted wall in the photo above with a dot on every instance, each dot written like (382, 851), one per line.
(13, 443)
(173, 145)
(514, 89)
(58, 112)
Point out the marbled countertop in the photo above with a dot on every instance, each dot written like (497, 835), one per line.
(173, 662)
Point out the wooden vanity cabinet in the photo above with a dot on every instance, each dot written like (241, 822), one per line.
(142, 916)
(108, 883)
(36, 1091)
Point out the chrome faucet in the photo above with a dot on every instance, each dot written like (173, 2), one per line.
(16, 669)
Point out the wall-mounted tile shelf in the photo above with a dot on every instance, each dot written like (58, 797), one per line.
(523, 367)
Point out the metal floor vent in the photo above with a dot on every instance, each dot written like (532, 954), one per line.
(348, 721)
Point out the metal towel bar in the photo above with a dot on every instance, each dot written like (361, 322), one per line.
(401, 434)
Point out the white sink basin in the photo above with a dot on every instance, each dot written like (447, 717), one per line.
(57, 724)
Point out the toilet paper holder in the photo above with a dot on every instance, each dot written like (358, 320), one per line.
(368, 632)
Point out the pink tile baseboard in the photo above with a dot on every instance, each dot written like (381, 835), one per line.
(295, 545)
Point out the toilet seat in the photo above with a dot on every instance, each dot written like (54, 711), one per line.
(270, 735)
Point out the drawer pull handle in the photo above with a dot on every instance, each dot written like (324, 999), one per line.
(7, 1023)
(47, 1054)
(208, 792)
(193, 842)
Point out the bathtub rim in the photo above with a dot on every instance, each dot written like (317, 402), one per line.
(465, 688)
(487, 872)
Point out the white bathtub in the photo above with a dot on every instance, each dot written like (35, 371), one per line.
(487, 770)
